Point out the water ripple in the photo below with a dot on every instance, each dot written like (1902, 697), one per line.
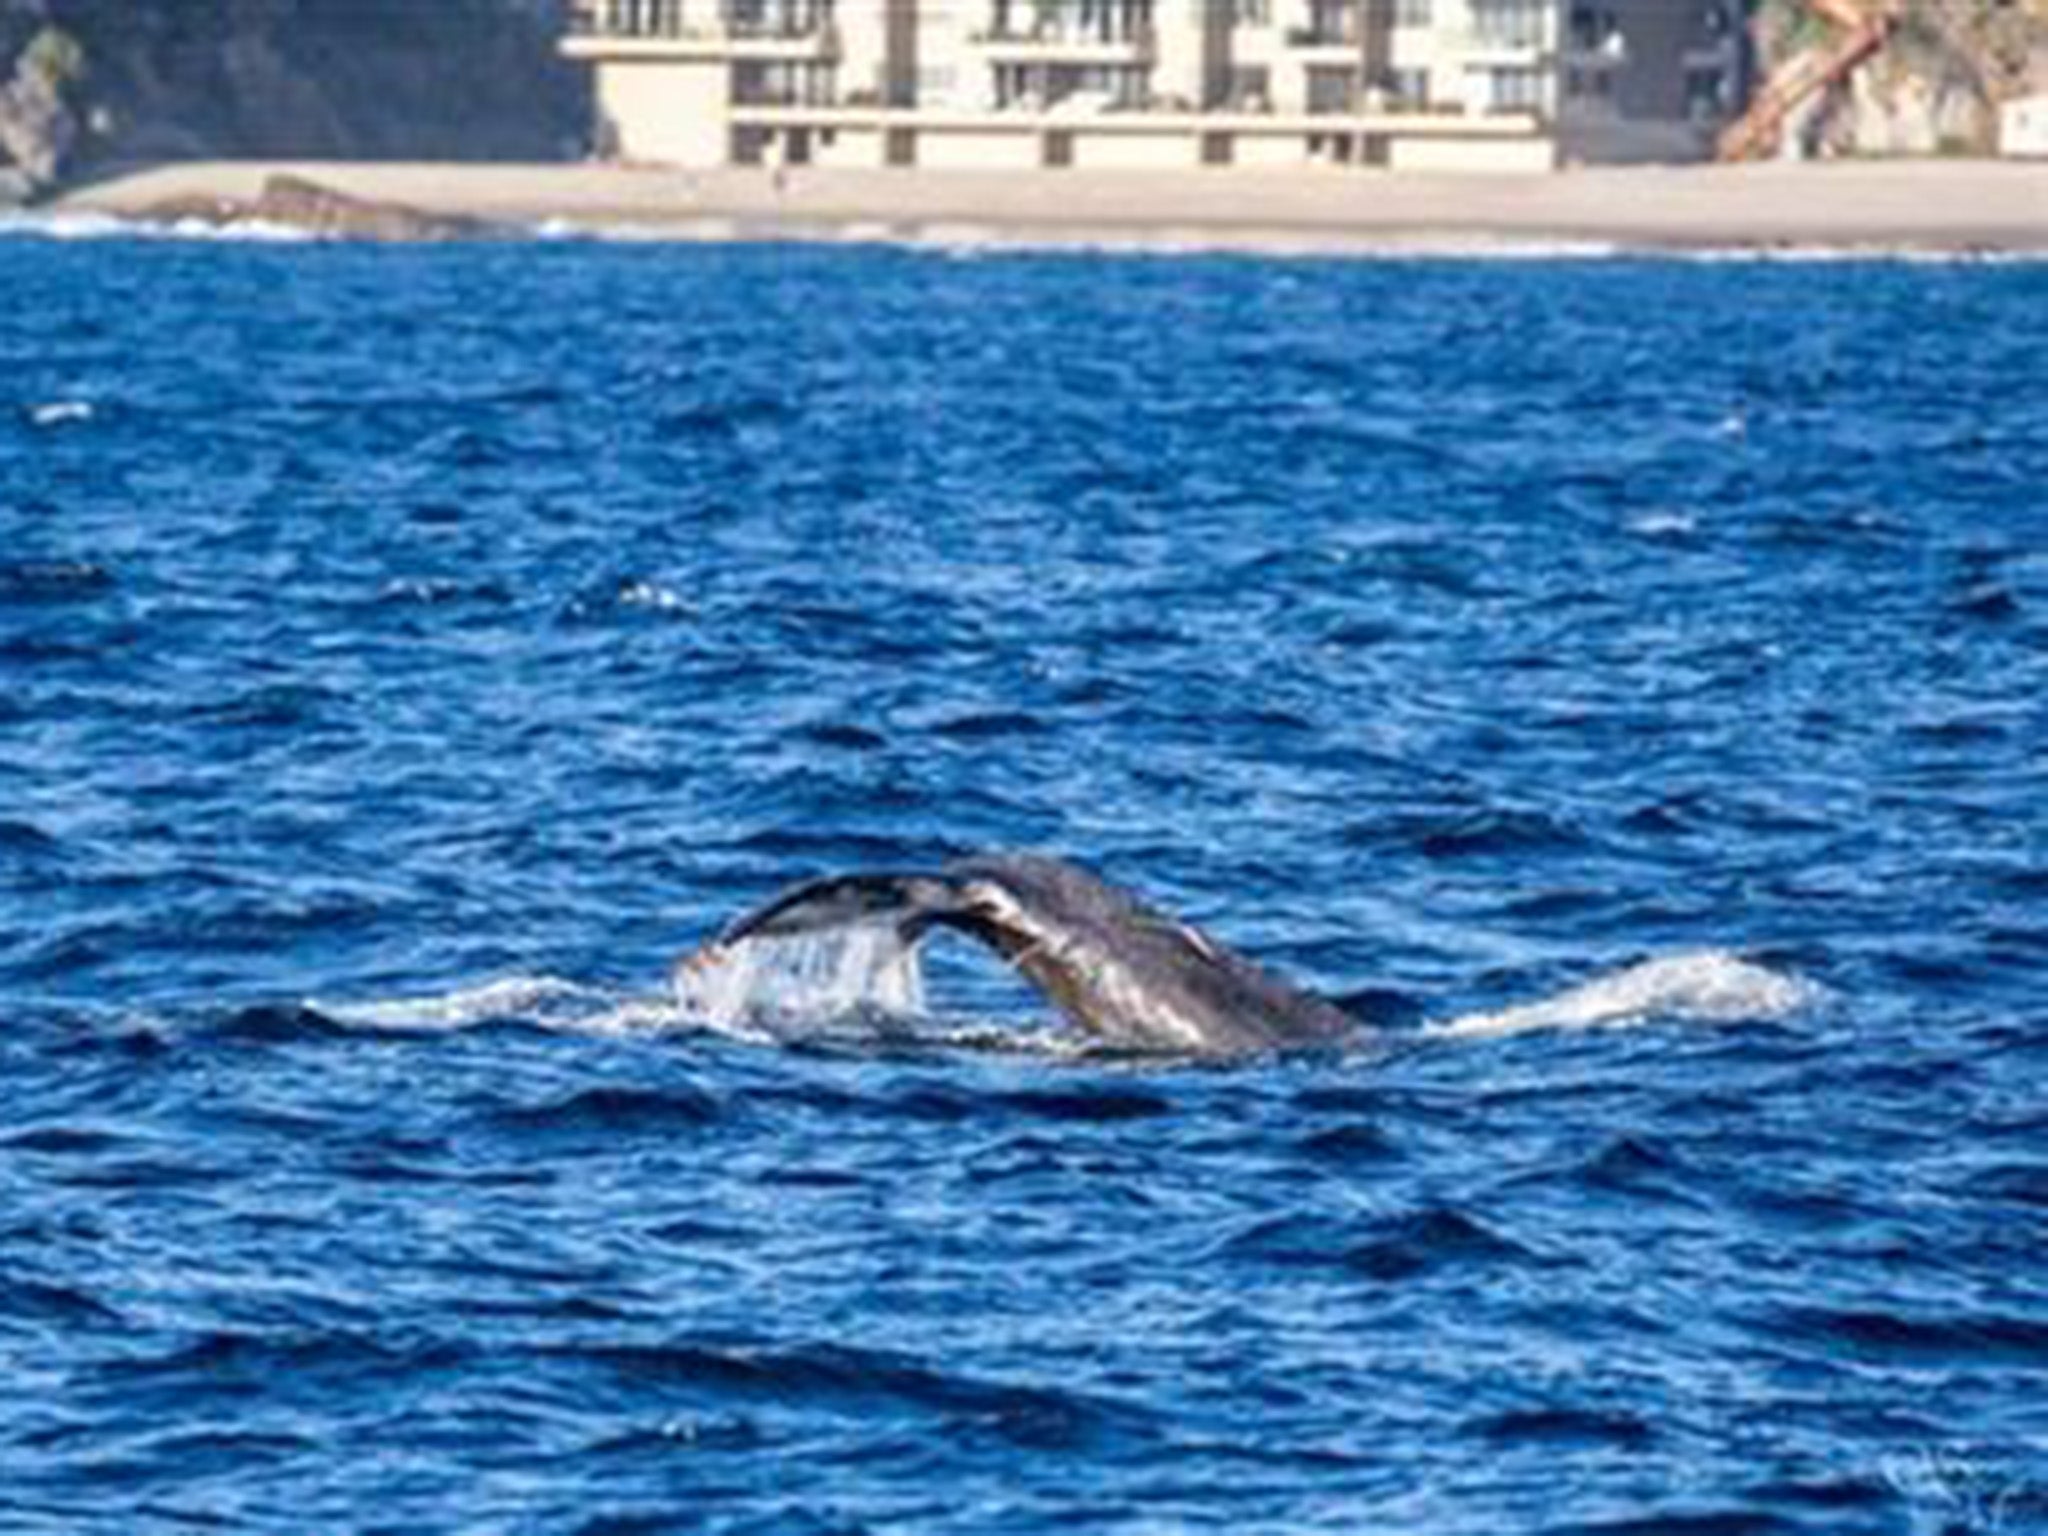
(1619, 682)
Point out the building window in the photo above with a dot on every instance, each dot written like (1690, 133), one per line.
(1413, 13)
(1332, 89)
(1594, 29)
(1408, 88)
(637, 18)
(1329, 22)
(1508, 23)
(1509, 88)
(1588, 84)
(765, 83)
(1106, 87)
(1706, 94)
(776, 18)
(1250, 88)
(1102, 21)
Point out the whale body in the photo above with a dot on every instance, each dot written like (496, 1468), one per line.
(1125, 974)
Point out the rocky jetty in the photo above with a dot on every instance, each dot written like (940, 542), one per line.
(88, 84)
(294, 202)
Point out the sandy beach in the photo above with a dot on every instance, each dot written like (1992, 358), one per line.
(1890, 205)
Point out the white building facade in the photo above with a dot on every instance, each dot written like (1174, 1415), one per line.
(1425, 84)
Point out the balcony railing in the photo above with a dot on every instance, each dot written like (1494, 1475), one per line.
(1328, 24)
(1344, 29)
(626, 18)
(702, 21)
(1518, 47)
(790, 19)
(1090, 25)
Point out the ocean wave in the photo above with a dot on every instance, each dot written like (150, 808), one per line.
(60, 413)
(540, 1000)
(93, 225)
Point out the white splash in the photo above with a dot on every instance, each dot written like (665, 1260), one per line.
(652, 594)
(1664, 525)
(759, 989)
(1708, 987)
(543, 999)
(55, 413)
(816, 977)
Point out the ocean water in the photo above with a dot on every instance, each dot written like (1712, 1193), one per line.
(1621, 680)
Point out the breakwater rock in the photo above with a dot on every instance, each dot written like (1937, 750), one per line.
(297, 203)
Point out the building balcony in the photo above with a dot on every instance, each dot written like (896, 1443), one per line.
(1496, 48)
(1019, 45)
(1347, 35)
(1324, 52)
(1440, 121)
(1327, 26)
(695, 29)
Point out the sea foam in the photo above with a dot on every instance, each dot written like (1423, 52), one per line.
(1706, 987)
(867, 968)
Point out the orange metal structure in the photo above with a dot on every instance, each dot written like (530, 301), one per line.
(1860, 32)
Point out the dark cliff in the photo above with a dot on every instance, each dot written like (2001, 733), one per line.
(85, 83)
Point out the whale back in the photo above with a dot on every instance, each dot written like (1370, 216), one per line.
(1127, 973)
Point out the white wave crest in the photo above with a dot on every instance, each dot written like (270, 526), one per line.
(542, 1002)
(1707, 987)
(771, 990)
(57, 413)
(542, 999)
(109, 226)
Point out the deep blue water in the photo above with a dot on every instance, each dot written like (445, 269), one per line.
(387, 624)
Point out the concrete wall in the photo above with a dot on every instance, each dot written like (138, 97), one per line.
(849, 146)
(670, 112)
(1270, 149)
(951, 73)
(977, 150)
(1518, 154)
(2023, 127)
(864, 60)
(1137, 151)
(1179, 68)
(1615, 141)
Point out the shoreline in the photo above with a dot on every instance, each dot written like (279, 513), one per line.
(1875, 207)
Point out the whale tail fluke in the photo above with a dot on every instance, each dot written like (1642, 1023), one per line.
(1124, 974)
(911, 902)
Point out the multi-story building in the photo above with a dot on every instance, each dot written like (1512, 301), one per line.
(1481, 84)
